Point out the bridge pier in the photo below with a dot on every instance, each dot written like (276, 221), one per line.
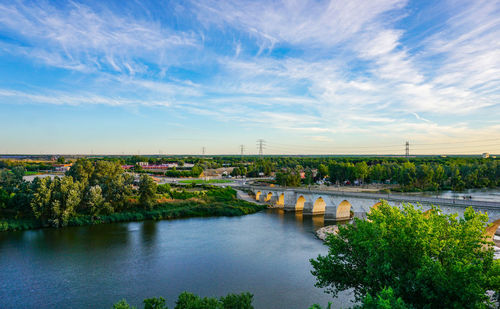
(308, 208)
(290, 201)
(273, 200)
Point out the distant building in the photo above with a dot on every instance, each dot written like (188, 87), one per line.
(485, 155)
(62, 167)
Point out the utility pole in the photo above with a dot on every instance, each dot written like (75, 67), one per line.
(261, 143)
(242, 149)
(407, 152)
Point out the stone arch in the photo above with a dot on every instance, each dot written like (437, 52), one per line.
(491, 229)
(319, 206)
(375, 206)
(268, 197)
(281, 200)
(428, 212)
(299, 205)
(344, 210)
(257, 195)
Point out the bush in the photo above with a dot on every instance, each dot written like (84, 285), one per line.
(188, 300)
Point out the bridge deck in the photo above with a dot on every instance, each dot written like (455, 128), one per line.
(392, 197)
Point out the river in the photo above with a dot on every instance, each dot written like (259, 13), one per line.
(489, 195)
(266, 253)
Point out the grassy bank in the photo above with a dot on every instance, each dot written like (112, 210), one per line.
(214, 204)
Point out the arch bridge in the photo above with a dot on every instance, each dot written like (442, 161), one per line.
(337, 205)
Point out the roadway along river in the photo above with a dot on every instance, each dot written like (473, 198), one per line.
(266, 254)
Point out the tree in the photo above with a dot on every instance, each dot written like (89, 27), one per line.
(383, 300)
(81, 171)
(94, 203)
(196, 171)
(155, 303)
(65, 195)
(322, 172)
(40, 202)
(147, 191)
(361, 170)
(434, 261)
(61, 160)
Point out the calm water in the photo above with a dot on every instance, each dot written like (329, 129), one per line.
(94, 266)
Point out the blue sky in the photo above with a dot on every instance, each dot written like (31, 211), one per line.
(314, 77)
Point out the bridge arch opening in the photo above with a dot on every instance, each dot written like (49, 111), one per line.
(281, 200)
(344, 210)
(428, 213)
(257, 195)
(268, 197)
(299, 205)
(491, 229)
(319, 206)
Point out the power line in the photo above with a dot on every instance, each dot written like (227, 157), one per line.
(261, 143)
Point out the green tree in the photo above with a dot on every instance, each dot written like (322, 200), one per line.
(122, 304)
(61, 160)
(322, 171)
(383, 300)
(40, 202)
(361, 170)
(81, 171)
(196, 171)
(147, 191)
(94, 203)
(65, 195)
(155, 303)
(435, 261)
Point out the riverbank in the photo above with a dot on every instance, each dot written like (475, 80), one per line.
(165, 211)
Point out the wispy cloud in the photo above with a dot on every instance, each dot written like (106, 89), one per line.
(79, 37)
(312, 68)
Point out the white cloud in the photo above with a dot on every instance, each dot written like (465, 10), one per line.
(81, 38)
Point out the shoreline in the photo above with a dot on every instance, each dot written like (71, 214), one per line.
(165, 211)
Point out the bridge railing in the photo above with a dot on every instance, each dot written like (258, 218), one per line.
(391, 197)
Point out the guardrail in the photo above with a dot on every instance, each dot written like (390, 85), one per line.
(391, 197)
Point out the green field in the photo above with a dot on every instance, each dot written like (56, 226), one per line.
(202, 181)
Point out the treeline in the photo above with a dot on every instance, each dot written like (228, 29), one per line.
(194, 172)
(96, 192)
(409, 175)
(421, 175)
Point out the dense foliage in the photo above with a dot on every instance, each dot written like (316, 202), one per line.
(97, 192)
(190, 301)
(407, 174)
(427, 260)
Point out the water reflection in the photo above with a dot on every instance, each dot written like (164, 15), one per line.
(94, 266)
(318, 221)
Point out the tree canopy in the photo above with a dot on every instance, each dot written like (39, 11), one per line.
(428, 260)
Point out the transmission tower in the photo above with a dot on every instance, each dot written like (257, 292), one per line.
(261, 144)
(407, 152)
(203, 150)
(242, 149)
